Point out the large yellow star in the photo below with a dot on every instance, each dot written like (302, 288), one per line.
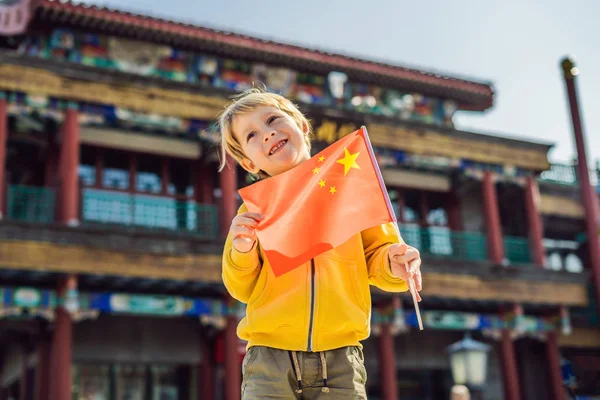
(349, 161)
(322, 183)
(332, 190)
(322, 158)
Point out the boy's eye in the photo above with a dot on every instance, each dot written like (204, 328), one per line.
(250, 136)
(272, 118)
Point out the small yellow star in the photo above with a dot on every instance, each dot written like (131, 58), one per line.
(349, 161)
(316, 170)
(332, 190)
(322, 183)
(322, 158)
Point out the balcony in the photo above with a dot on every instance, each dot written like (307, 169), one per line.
(118, 210)
(443, 242)
(516, 250)
(466, 246)
(121, 210)
(31, 204)
(565, 174)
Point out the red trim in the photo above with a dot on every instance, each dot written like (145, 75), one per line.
(237, 40)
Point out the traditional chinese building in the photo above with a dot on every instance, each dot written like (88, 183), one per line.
(113, 215)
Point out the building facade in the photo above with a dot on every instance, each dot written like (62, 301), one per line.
(113, 215)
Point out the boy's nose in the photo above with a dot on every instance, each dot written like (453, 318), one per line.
(268, 136)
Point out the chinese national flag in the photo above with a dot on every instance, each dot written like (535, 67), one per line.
(319, 204)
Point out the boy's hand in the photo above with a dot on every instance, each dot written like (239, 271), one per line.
(243, 232)
(402, 254)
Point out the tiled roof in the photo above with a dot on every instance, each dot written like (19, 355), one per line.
(480, 94)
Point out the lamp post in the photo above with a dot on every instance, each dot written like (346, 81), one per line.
(468, 361)
(592, 219)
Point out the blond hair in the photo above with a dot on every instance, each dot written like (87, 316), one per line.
(248, 101)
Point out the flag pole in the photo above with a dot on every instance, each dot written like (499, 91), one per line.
(411, 282)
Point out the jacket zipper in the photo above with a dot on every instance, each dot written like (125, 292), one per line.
(312, 304)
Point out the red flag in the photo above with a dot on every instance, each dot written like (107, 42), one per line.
(319, 204)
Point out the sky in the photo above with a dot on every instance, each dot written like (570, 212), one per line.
(516, 45)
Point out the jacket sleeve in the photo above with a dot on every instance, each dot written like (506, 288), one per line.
(240, 270)
(376, 242)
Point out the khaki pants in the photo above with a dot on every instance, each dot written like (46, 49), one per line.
(272, 374)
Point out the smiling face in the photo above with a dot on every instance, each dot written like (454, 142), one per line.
(271, 140)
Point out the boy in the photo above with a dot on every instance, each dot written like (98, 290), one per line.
(304, 327)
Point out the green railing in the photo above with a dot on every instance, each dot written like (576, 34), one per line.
(442, 242)
(31, 204)
(560, 173)
(149, 212)
(567, 175)
(516, 249)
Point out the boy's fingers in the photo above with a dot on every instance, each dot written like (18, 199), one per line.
(414, 266)
(245, 238)
(243, 231)
(409, 256)
(255, 216)
(418, 281)
(244, 221)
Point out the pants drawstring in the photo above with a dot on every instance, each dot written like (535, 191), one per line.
(297, 370)
(325, 388)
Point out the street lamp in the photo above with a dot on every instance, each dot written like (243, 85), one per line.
(468, 361)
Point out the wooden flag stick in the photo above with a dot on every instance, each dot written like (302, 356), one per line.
(413, 292)
(411, 285)
(384, 192)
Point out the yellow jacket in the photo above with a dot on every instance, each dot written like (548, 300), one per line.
(321, 305)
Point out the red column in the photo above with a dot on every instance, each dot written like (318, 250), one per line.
(233, 372)
(556, 390)
(228, 202)
(42, 373)
(387, 365)
(206, 377)
(510, 374)
(492, 220)
(534, 221)
(61, 351)
(69, 165)
(3, 137)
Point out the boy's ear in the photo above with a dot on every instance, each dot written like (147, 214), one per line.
(249, 166)
(304, 127)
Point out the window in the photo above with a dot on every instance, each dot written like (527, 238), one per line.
(573, 264)
(91, 382)
(165, 383)
(148, 177)
(131, 382)
(180, 177)
(87, 165)
(116, 169)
